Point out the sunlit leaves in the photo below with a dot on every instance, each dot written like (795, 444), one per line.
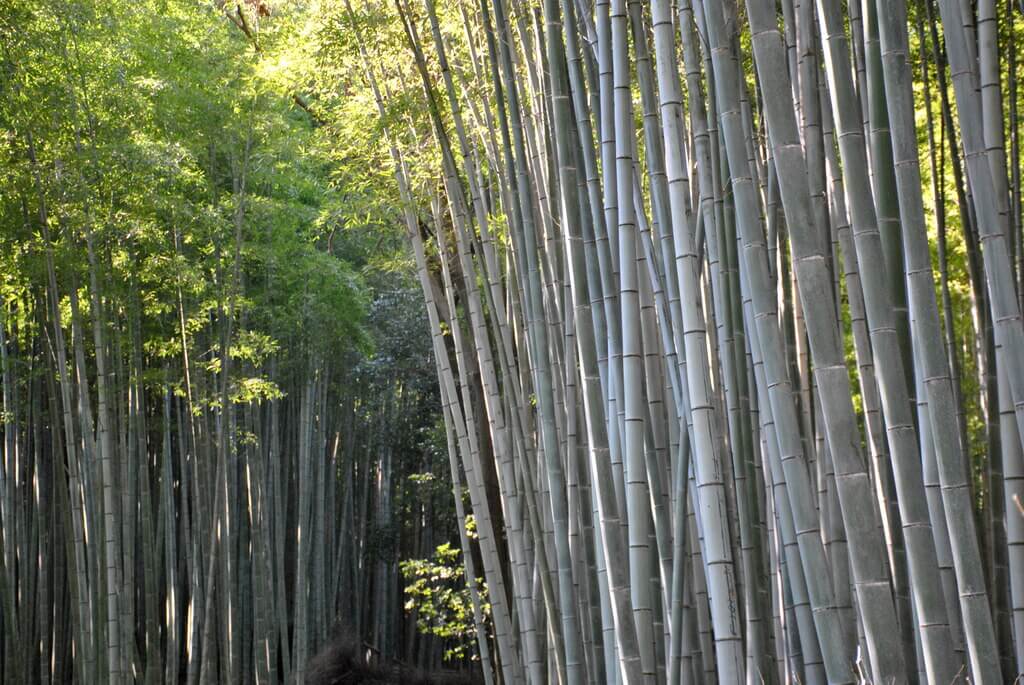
(436, 591)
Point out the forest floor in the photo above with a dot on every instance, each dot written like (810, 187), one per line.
(344, 661)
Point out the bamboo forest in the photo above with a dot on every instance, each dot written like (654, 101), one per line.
(500, 342)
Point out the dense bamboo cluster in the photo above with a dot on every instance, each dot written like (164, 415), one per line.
(695, 371)
(153, 536)
(210, 423)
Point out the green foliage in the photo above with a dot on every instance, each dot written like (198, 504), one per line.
(436, 591)
(158, 131)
